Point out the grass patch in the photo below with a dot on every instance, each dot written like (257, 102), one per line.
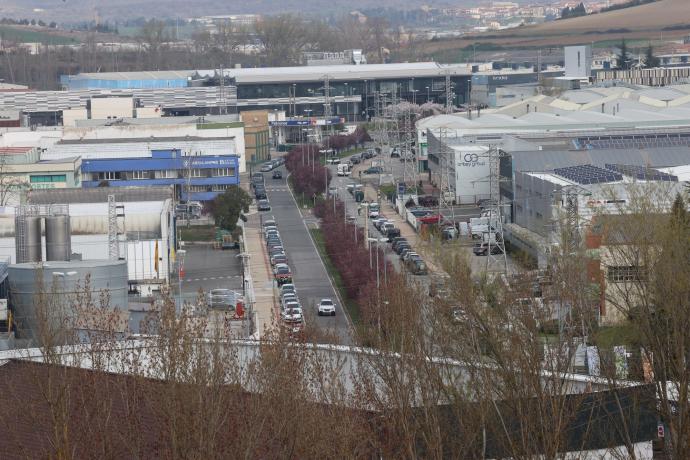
(197, 233)
(26, 35)
(350, 305)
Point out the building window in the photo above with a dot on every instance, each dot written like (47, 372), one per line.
(617, 274)
(48, 178)
(140, 175)
(221, 187)
(196, 172)
(224, 172)
(166, 174)
(109, 175)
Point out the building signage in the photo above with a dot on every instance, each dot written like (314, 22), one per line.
(470, 160)
(201, 162)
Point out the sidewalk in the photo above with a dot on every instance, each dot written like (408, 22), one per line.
(262, 277)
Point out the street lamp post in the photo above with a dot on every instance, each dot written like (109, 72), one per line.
(427, 94)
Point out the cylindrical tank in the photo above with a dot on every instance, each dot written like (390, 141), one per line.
(58, 238)
(34, 252)
(62, 281)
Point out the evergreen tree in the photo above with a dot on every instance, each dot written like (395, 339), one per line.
(650, 60)
(624, 57)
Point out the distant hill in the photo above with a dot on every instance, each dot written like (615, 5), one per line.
(78, 10)
(667, 18)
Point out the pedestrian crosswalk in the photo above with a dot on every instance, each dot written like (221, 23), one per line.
(276, 189)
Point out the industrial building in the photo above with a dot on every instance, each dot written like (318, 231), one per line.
(590, 152)
(142, 234)
(55, 108)
(21, 169)
(348, 91)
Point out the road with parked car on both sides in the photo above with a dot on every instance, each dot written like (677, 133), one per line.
(308, 271)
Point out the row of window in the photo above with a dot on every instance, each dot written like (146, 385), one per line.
(620, 273)
(207, 188)
(48, 178)
(164, 174)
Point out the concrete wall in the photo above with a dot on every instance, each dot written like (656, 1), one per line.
(111, 107)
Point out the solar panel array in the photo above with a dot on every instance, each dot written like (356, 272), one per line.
(588, 174)
(642, 172)
(636, 141)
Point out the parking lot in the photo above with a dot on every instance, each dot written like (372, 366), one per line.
(206, 268)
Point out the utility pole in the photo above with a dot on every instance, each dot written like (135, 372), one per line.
(496, 243)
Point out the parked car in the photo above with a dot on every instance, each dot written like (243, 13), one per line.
(288, 287)
(280, 258)
(260, 193)
(326, 307)
(282, 273)
(396, 241)
(482, 249)
(386, 227)
(264, 205)
(402, 248)
(392, 233)
(221, 298)
(374, 210)
(277, 174)
(373, 170)
(266, 167)
(355, 159)
(292, 314)
(418, 267)
(287, 298)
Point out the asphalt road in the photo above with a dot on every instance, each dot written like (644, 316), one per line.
(309, 274)
(207, 268)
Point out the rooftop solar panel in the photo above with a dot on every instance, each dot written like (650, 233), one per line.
(633, 141)
(642, 172)
(588, 174)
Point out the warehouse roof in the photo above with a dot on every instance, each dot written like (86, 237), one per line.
(143, 75)
(99, 195)
(341, 72)
(544, 161)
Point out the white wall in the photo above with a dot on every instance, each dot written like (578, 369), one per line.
(471, 173)
(578, 61)
(111, 107)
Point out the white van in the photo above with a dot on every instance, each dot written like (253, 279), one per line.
(344, 169)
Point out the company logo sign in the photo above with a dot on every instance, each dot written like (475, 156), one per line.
(471, 160)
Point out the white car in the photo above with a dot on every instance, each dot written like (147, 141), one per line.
(326, 307)
(292, 314)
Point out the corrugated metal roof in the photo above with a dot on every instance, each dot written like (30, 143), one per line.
(543, 161)
(99, 195)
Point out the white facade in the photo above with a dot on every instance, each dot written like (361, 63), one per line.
(148, 223)
(104, 108)
(471, 172)
(578, 61)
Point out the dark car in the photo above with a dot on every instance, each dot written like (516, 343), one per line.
(392, 233)
(260, 193)
(482, 249)
(373, 170)
(355, 160)
(398, 240)
(264, 205)
(277, 175)
(401, 247)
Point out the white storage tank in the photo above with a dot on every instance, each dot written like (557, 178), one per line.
(52, 288)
